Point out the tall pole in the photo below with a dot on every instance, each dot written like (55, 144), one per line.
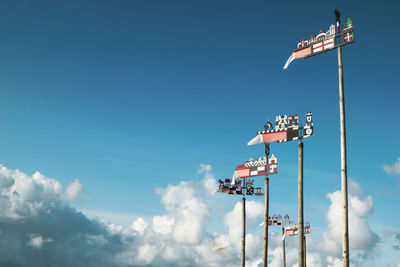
(283, 247)
(305, 251)
(300, 195)
(343, 161)
(265, 258)
(266, 213)
(243, 230)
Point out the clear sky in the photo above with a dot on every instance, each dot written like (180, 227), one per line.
(131, 97)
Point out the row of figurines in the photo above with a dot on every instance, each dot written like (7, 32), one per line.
(284, 121)
(260, 162)
(348, 26)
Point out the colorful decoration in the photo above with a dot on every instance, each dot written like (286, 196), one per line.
(324, 41)
(276, 220)
(286, 129)
(250, 168)
(237, 189)
(294, 229)
(258, 167)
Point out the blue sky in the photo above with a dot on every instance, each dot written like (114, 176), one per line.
(131, 96)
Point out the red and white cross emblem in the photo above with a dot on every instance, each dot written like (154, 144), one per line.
(348, 37)
(273, 168)
(329, 43)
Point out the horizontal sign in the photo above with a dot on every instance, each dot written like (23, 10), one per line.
(286, 129)
(237, 188)
(258, 167)
(323, 42)
(294, 229)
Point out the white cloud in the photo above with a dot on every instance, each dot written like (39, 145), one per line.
(23, 196)
(36, 241)
(204, 168)
(360, 234)
(393, 169)
(163, 224)
(147, 253)
(139, 225)
(73, 190)
(334, 262)
(209, 180)
(35, 217)
(177, 238)
(188, 208)
(233, 219)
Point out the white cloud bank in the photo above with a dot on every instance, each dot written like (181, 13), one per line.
(35, 217)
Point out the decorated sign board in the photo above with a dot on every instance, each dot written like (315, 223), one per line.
(286, 129)
(294, 229)
(236, 188)
(275, 220)
(324, 41)
(258, 167)
(250, 168)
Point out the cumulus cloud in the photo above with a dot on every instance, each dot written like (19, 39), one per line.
(139, 225)
(163, 224)
(209, 181)
(35, 217)
(179, 237)
(24, 196)
(188, 208)
(361, 236)
(233, 219)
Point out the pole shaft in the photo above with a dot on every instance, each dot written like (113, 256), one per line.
(243, 230)
(265, 258)
(305, 251)
(300, 195)
(283, 247)
(343, 160)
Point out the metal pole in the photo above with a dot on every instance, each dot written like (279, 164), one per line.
(243, 230)
(300, 195)
(343, 157)
(266, 213)
(305, 251)
(283, 247)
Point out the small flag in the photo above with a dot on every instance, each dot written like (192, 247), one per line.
(298, 54)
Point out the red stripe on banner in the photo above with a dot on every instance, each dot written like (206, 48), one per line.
(275, 136)
(242, 173)
(302, 53)
(244, 168)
